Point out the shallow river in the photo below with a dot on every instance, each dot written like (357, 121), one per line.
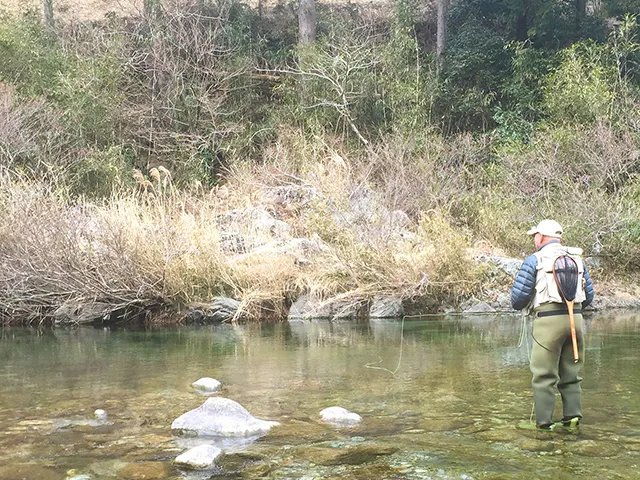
(451, 410)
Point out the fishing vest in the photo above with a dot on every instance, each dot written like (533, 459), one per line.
(546, 287)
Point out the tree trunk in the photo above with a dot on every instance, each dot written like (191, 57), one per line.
(48, 13)
(307, 22)
(581, 11)
(441, 34)
(522, 32)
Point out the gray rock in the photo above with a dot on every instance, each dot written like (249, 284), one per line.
(298, 248)
(503, 301)
(254, 219)
(510, 266)
(399, 219)
(308, 307)
(386, 307)
(220, 417)
(593, 262)
(298, 195)
(76, 312)
(221, 309)
(207, 384)
(232, 242)
(340, 416)
(199, 457)
(480, 307)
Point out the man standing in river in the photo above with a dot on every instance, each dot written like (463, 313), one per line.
(552, 361)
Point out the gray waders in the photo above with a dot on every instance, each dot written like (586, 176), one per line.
(552, 362)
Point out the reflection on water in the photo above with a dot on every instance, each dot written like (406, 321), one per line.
(460, 388)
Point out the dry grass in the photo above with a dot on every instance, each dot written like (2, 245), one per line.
(168, 247)
(334, 226)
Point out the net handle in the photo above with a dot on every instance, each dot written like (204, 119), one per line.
(572, 321)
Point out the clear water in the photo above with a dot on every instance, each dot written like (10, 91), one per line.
(451, 410)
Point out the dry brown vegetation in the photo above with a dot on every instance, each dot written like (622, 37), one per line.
(160, 246)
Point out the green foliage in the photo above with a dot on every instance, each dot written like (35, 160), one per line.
(100, 173)
(581, 89)
(619, 8)
(477, 67)
(407, 82)
(31, 59)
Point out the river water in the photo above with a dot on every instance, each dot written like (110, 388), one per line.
(441, 398)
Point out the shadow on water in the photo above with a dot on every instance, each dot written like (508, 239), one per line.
(439, 397)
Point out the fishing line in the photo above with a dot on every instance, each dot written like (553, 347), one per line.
(373, 366)
(523, 339)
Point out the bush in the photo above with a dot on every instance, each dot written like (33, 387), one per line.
(581, 89)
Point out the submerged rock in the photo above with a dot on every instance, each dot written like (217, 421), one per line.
(207, 385)
(346, 456)
(145, 471)
(198, 457)
(72, 475)
(220, 417)
(340, 416)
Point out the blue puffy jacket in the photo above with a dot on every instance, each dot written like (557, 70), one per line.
(524, 286)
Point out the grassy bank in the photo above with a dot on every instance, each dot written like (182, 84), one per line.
(142, 157)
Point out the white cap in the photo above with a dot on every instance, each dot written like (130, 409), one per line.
(548, 228)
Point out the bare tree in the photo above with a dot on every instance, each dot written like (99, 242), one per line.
(337, 70)
(48, 13)
(441, 34)
(307, 22)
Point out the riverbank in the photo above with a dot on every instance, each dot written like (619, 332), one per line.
(266, 246)
(152, 166)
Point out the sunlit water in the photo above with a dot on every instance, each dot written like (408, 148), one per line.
(451, 410)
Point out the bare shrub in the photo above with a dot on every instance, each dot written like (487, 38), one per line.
(180, 76)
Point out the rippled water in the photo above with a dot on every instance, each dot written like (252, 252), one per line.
(450, 411)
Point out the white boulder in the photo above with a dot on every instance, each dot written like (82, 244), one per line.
(207, 384)
(100, 414)
(220, 417)
(340, 416)
(199, 457)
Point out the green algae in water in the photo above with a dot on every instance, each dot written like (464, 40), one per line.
(450, 411)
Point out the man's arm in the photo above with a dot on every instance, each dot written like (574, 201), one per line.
(588, 288)
(524, 286)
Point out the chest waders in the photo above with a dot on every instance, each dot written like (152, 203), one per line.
(552, 363)
(557, 355)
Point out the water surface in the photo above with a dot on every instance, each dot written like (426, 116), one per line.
(461, 386)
